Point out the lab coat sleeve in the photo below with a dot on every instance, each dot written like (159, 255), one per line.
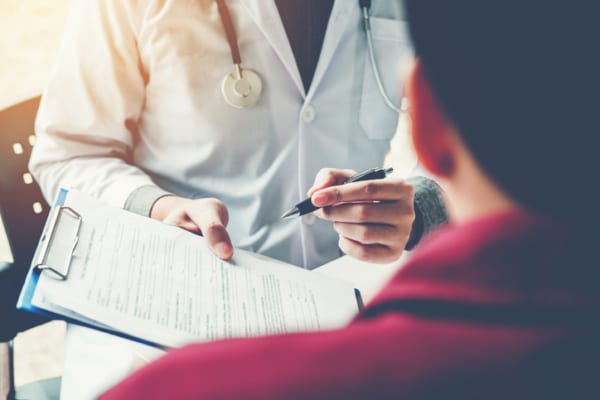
(87, 122)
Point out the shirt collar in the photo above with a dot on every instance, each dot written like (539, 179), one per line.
(510, 259)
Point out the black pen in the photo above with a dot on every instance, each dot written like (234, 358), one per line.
(306, 206)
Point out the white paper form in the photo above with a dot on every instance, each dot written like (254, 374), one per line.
(162, 284)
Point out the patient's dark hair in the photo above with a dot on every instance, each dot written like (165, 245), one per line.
(520, 79)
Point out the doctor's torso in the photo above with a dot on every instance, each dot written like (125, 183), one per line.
(260, 161)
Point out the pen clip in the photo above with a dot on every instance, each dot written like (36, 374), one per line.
(372, 173)
(360, 175)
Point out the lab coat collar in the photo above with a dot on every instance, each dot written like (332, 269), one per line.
(267, 18)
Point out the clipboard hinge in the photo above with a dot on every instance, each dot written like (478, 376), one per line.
(55, 255)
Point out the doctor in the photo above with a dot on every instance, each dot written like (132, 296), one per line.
(204, 112)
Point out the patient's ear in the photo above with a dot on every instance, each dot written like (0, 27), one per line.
(432, 135)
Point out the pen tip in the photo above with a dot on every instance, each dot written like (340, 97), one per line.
(290, 212)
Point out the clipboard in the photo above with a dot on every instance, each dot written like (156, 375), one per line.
(69, 240)
(62, 220)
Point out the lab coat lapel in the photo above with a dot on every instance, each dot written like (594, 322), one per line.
(267, 18)
(341, 14)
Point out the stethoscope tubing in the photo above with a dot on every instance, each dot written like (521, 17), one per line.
(373, 60)
(232, 39)
(365, 6)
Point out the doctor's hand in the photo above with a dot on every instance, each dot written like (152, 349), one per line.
(373, 218)
(207, 217)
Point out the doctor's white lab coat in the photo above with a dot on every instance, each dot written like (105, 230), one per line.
(135, 100)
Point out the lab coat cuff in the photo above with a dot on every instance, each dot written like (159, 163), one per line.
(430, 211)
(141, 200)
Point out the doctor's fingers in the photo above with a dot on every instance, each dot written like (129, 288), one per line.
(374, 253)
(393, 213)
(180, 219)
(329, 177)
(392, 236)
(211, 216)
(385, 189)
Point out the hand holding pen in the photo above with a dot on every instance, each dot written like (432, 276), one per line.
(306, 206)
(372, 217)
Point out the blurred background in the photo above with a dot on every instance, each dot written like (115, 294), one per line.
(30, 32)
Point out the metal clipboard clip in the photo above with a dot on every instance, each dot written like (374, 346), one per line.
(58, 242)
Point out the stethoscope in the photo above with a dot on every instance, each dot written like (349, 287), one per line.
(242, 87)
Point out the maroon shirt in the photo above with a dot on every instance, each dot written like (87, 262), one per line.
(503, 307)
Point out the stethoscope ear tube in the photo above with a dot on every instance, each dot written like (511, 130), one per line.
(230, 32)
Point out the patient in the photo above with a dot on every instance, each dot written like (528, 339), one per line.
(502, 303)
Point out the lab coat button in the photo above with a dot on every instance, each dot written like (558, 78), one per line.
(309, 219)
(309, 114)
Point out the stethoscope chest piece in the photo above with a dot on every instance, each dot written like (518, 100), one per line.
(241, 88)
